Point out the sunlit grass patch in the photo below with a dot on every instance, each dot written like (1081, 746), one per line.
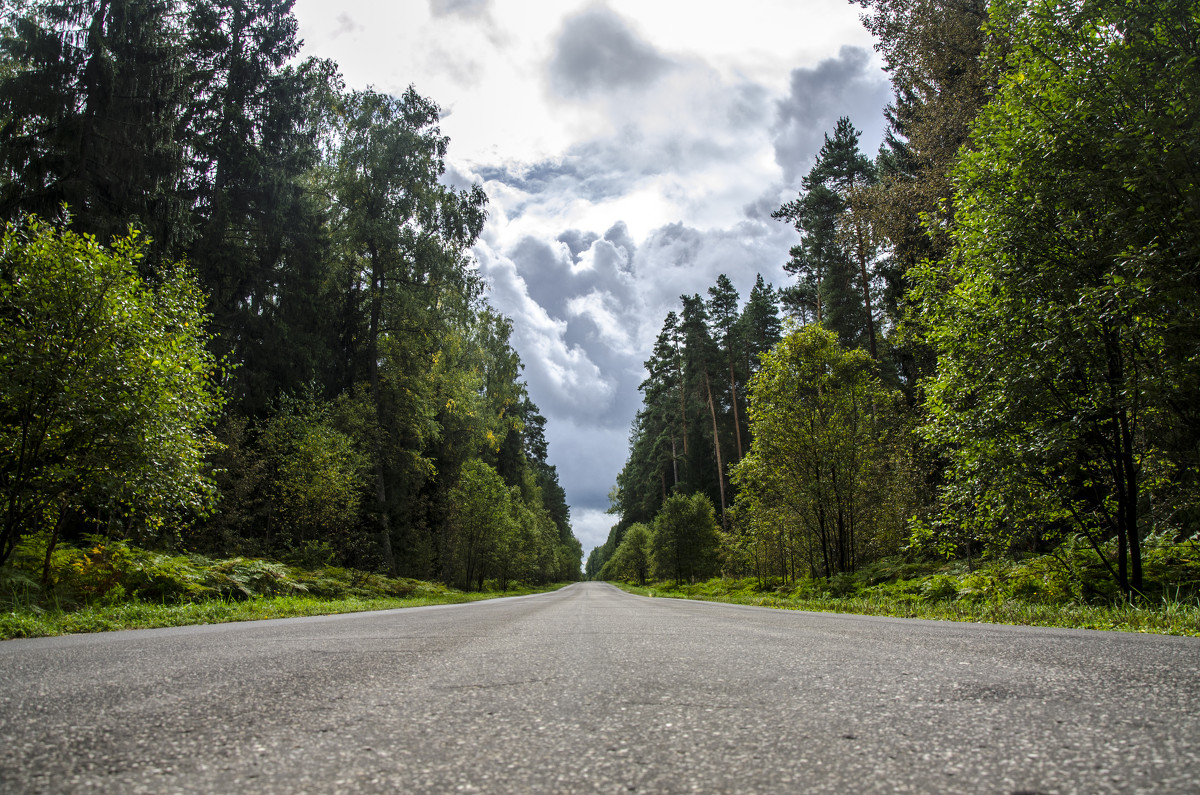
(110, 585)
(931, 598)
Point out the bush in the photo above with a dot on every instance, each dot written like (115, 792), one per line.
(940, 587)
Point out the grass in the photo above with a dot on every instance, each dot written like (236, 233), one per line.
(33, 622)
(107, 585)
(1069, 587)
(1173, 618)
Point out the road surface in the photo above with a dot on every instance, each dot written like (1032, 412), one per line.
(592, 690)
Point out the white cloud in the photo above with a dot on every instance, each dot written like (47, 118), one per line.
(591, 527)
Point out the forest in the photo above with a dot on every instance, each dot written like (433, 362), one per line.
(239, 314)
(987, 352)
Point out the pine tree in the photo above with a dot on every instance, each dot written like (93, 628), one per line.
(94, 109)
(260, 244)
(836, 257)
(760, 326)
(700, 363)
(723, 313)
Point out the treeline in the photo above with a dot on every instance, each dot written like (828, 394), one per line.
(348, 383)
(991, 338)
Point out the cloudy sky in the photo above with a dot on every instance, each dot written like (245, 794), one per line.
(632, 150)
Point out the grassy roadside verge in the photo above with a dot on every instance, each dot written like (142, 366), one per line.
(104, 585)
(33, 622)
(1171, 618)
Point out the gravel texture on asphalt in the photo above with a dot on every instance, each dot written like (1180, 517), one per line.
(590, 689)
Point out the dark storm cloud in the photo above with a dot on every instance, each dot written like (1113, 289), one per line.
(761, 208)
(585, 320)
(848, 85)
(466, 8)
(748, 103)
(597, 51)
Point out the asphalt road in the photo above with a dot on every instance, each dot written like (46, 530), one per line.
(592, 690)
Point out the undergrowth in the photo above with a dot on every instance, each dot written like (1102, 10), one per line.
(106, 585)
(1068, 588)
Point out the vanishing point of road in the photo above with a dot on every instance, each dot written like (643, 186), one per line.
(589, 689)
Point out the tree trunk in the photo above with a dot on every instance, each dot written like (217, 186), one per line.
(712, 410)
(866, 288)
(62, 515)
(385, 531)
(737, 422)
(683, 415)
(1124, 473)
(1127, 502)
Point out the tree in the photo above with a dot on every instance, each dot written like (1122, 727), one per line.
(700, 361)
(481, 519)
(1065, 319)
(932, 50)
(93, 110)
(108, 389)
(818, 460)
(760, 327)
(259, 230)
(685, 539)
(837, 246)
(317, 475)
(723, 312)
(658, 461)
(631, 561)
(405, 278)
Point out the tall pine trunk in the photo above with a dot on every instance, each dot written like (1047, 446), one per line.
(737, 422)
(712, 410)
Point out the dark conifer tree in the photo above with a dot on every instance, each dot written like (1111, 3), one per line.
(723, 314)
(759, 323)
(93, 112)
(260, 243)
(836, 256)
(701, 366)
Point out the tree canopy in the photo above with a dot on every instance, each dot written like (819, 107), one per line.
(108, 388)
(363, 371)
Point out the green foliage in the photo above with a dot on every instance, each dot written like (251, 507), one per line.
(1067, 588)
(106, 585)
(364, 369)
(822, 488)
(837, 251)
(632, 560)
(318, 477)
(481, 518)
(1066, 317)
(684, 542)
(692, 425)
(107, 573)
(108, 387)
(91, 111)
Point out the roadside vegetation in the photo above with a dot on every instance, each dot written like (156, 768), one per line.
(240, 322)
(1067, 589)
(976, 398)
(106, 585)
